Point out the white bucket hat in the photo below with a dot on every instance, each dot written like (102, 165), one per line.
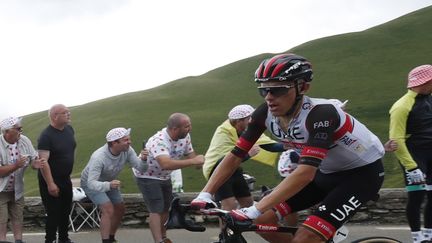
(117, 133)
(10, 122)
(240, 112)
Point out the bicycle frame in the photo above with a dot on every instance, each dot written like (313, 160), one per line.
(232, 229)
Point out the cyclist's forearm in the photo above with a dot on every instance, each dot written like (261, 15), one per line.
(222, 172)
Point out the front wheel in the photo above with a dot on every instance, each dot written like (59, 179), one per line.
(376, 239)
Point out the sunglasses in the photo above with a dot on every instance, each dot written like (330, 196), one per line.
(19, 129)
(276, 91)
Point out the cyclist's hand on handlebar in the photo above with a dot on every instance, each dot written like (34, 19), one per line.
(204, 200)
(245, 214)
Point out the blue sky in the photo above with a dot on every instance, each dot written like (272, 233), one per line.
(74, 52)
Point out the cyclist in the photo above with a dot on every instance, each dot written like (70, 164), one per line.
(340, 165)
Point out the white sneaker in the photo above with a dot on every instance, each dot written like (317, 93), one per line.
(427, 234)
(417, 237)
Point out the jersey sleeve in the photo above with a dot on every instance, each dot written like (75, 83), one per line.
(95, 168)
(321, 123)
(397, 131)
(255, 128)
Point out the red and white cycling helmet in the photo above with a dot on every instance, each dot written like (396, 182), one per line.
(284, 67)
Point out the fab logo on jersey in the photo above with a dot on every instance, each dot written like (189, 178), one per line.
(347, 140)
(322, 124)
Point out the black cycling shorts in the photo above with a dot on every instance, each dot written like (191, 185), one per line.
(337, 196)
(236, 186)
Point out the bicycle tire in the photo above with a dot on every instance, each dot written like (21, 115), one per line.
(376, 239)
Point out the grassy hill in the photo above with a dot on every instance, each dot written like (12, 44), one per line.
(369, 68)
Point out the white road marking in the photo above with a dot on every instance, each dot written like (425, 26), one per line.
(392, 228)
(35, 233)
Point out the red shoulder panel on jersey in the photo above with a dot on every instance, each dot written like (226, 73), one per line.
(346, 127)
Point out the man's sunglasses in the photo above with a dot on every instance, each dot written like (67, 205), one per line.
(276, 91)
(19, 129)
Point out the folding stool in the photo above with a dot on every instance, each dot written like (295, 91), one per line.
(83, 211)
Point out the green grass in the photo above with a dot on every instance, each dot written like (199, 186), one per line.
(369, 68)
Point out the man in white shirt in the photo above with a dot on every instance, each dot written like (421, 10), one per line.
(16, 152)
(168, 150)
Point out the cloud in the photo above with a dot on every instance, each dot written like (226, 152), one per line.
(52, 11)
(77, 51)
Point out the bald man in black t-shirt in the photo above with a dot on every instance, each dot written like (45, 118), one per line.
(57, 145)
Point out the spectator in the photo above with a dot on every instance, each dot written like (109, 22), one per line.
(411, 128)
(235, 192)
(56, 144)
(169, 149)
(99, 179)
(16, 153)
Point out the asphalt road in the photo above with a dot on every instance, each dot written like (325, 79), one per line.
(127, 235)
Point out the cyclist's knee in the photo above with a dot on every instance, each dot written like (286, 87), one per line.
(304, 235)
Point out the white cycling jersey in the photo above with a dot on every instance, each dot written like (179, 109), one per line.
(324, 134)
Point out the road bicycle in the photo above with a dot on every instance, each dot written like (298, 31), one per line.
(232, 229)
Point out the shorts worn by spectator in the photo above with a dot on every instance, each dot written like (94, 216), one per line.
(169, 149)
(411, 129)
(311, 126)
(99, 178)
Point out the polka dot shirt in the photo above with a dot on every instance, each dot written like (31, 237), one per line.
(162, 144)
